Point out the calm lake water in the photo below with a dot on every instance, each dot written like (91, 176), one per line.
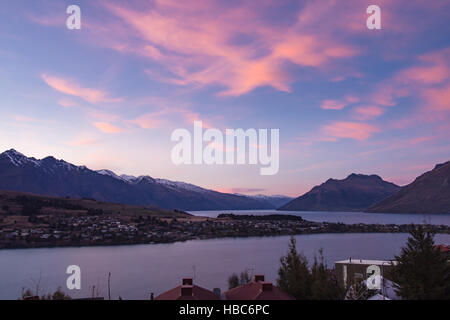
(345, 217)
(141, 269)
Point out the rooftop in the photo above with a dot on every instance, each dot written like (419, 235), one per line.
(187, 291)
(369, 262)
(258, 289)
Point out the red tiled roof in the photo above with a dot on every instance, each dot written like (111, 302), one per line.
(198, 293)
(257, 291)
(443, 248)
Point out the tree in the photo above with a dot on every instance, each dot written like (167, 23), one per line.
(26, 293)
(57, 295)
(244, 277)
(422, 271)
(324, 285)
(294, 277)
(60, 295)
(233, 281)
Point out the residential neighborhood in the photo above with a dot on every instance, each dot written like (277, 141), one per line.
(115, 229)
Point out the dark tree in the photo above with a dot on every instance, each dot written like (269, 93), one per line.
(233, 281)
(244, 277)
(422, 272)
(294, 277)
(60, 295)
(324, 285)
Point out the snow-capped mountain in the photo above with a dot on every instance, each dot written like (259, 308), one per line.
(53, 177)
(275, 200)
(170, 184)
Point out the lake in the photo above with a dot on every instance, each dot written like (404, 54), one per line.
(140, 269)
(345, 217)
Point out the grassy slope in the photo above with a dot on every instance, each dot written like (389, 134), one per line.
(55, 205)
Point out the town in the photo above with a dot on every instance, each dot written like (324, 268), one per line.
(115, 229)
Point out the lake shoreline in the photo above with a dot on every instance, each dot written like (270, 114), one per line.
(116, 230)
(128, 244)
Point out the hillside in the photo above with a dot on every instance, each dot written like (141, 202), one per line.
(26, 204)
(429, 193)
(357, 192)
(53, 177)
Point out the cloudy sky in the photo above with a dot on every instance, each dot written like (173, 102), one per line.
(346, 99)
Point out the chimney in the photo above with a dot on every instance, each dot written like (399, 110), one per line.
(259, 277)
(187, 282)
(267, 286)
(186, 291)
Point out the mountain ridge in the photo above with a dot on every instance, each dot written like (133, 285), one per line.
(428, 193)
(52, 177)
(356, 192)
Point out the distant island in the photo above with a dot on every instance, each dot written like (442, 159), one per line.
(268, 217)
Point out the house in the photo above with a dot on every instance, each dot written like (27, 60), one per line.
(352, 270)
(188, 291)
(258, 289)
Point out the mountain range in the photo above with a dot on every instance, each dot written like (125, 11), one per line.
(357, 192)
(429, 193)
(53, 177)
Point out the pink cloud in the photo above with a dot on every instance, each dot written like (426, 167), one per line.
(427, 81)
(367, 112)
(170, 116)
(194, 43)
(70, 87)
(22, 118)
(149, 121)
(338, 104)
(108, 128)
(332, 105)
(434, 69)
(101, 115)
(66, 103)
(420, 140)
(350, 130)
(437, 99)
(49, 20)
(429, 75)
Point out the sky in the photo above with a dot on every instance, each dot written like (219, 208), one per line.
(345, 98)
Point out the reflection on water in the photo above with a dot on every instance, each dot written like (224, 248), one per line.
(141, 269)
